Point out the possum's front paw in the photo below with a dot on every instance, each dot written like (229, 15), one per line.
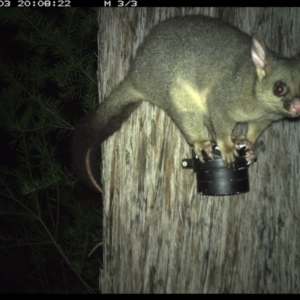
(250, 155)
(201, 147)
(228, 152)
(228, 156)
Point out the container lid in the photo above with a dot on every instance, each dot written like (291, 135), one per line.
(217, 179)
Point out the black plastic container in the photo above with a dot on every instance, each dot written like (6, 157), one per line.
(215, 178)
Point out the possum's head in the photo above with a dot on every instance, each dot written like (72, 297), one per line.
(278, 80)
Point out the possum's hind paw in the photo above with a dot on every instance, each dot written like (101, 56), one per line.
(205, 147)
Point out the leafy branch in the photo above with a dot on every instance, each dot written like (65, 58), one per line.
(42, 92)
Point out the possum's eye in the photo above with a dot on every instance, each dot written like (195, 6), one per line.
(280, 89)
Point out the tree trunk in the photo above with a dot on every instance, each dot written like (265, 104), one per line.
(159, 235)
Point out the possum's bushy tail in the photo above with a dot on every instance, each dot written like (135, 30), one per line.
(98, 125)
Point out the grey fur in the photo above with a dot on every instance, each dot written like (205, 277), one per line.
(202, 72)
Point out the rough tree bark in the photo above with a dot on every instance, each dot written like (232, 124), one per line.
(159, 235)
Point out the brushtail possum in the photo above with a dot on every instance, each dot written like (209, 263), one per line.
(202, 72)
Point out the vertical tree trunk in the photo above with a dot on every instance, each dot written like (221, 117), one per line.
(159, 235)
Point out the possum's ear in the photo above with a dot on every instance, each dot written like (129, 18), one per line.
(259, 54)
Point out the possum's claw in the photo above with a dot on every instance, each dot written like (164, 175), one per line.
(250, 155)
(229, 152)
(206, 147)
(228, 157)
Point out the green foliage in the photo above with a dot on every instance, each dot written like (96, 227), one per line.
(46, 229)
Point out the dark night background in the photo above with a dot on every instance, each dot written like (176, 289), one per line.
(14, 261)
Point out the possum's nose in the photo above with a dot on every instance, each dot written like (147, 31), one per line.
(295, 106)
